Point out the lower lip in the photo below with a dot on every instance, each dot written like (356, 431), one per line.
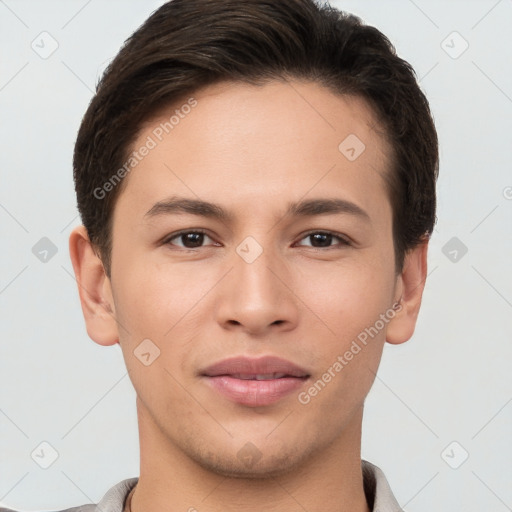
(255, 393)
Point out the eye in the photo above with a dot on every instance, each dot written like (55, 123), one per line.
(189, 239)
(193, 239)
(323, 239)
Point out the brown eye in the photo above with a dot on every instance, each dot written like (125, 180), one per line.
(188, 239)
(324, 239)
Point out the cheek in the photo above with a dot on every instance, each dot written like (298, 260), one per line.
(151, 298)
(151, 304)
(348, 298)
(351, 302)
(165, 304)
(351, 336)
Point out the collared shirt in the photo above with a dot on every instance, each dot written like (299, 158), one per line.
(376, 488)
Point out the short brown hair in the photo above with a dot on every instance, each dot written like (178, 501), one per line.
(188, 44)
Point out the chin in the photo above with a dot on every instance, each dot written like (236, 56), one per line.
(259, 460)
(264, 468)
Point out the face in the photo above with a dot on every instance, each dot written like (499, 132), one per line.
(299, 267)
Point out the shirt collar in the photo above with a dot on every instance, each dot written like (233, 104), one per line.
(376, 488)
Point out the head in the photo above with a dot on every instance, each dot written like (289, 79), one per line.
(256, 107)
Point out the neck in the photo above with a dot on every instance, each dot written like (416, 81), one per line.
(329, 480)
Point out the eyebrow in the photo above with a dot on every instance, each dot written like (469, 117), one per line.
(304, 208)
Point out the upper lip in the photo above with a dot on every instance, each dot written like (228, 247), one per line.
(254, 366)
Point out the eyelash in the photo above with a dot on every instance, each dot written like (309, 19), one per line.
(343, 240)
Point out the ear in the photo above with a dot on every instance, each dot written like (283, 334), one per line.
(410, 286)
(94, 289)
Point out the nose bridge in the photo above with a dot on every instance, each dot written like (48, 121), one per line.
(256, 262)
(254, 296)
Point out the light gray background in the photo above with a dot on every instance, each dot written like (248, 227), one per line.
(451, 382)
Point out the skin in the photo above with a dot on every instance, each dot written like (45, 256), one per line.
(252, 150)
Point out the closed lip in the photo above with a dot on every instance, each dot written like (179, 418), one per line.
(247, 367)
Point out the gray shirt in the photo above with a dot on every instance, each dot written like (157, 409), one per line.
(376, 488)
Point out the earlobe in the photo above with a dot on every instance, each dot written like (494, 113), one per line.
(94, 289)
(411, 282)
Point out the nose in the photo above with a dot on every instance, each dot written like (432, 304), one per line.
(258, 297)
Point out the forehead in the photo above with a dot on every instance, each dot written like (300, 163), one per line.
(237, 142)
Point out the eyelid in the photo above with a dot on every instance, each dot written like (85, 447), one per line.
(172, 236)
(344, 240)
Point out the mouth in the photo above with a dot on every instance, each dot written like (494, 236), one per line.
(254, 382)
(260, 376)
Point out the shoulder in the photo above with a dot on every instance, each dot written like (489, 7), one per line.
(113, 501)
(83, 508)
(377, 490)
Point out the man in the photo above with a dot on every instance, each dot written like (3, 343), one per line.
(256, 181)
